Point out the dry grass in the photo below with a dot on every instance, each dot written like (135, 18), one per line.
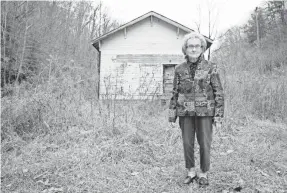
(136, 151)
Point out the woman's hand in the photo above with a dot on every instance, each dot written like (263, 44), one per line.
(218, 126)
(172, 125)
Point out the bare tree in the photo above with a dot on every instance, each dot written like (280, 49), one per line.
(198, 22)
(24, 45)
(213, 14)
(35, 33)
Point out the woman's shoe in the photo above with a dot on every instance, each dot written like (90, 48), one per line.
(203, 181)
(189, 179)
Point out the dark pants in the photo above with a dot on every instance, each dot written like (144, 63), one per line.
(202, 126)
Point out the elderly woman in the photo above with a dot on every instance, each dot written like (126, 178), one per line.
(198, 101)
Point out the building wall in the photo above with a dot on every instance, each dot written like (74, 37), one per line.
(132, 65)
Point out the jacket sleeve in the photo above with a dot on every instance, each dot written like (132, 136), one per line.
(218, 94)
(172, 105)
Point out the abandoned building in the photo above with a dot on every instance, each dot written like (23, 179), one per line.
(137, 59)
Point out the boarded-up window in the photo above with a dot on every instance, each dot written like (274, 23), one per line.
(168, 74)
(150, 79)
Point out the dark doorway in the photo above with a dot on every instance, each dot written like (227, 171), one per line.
(168, 73)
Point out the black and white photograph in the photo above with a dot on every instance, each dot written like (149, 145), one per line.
(144, 96)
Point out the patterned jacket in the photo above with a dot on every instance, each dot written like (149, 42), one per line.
(201, 95)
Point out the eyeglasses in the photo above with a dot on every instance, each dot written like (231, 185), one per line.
(197, 46)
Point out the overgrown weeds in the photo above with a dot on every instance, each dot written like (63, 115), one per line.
(136, 151)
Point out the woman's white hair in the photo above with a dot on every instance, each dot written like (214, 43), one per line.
(193, 35)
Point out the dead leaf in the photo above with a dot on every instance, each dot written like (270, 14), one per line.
(241, 182)
(46, 182)
(54, 190)
(230, 151)
(278, 172)
(40, 181)
(40, 175)
(263, 173)
(134, 173)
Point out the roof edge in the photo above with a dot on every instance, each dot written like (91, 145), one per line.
(95, 42)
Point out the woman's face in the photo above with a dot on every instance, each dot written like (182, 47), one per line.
(193, 48)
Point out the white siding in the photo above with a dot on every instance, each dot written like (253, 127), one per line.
(129, 75)
(142, 38)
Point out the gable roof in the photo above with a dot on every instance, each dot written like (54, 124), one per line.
(96, 41)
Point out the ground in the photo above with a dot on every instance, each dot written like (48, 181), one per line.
(137, 151)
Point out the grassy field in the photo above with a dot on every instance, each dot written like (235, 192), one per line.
(131, 148)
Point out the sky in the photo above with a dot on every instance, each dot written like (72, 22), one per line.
(224, 13)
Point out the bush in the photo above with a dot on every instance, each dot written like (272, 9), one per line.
(254, 79)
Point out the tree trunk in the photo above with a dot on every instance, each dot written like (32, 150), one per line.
(209, 32)
(23, 50)
(4, 46)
